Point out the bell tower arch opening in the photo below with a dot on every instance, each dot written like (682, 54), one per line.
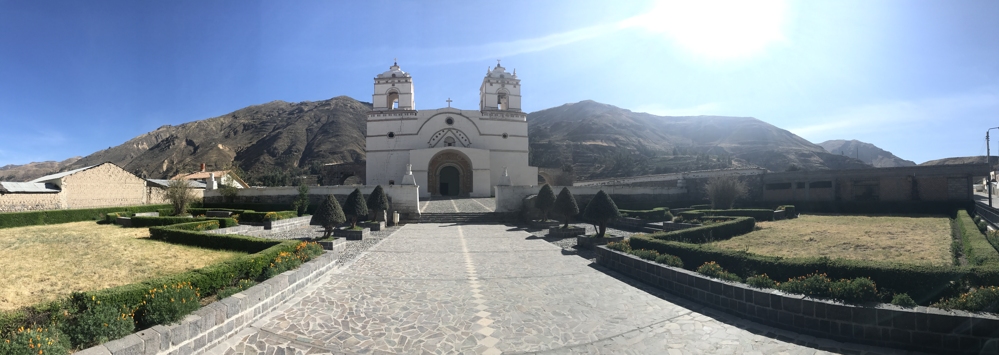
(500, 91)
(393, 90)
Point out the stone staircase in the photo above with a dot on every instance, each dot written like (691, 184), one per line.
(467, 217)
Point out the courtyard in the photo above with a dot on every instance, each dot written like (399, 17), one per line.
(45, 263)
(491, 289)
(914, 240)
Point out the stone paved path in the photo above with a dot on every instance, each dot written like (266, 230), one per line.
(490, 289)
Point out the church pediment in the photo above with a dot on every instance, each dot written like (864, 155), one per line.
(452, 137)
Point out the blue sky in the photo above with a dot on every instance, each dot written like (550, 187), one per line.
(918, 78)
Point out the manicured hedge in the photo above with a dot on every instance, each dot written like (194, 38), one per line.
(111, 217)
(260, 217)
(789, 211)
(655, 214)
(34, 218)
(758, 214)
(701, 207)
(922, 282)
(144, 222)
(724, 228)
(259, 207)
(884, 208)
(691, 215)
(208, 280)
(188, 234)
(977, 249)
(203, 211)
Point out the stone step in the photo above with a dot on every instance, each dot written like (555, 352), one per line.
(465, 217)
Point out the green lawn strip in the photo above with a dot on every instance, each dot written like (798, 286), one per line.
(977, 249)
(34, 218)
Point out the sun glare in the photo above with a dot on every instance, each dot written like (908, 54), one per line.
(717, 29)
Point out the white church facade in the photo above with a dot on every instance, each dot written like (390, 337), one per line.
(451, 152)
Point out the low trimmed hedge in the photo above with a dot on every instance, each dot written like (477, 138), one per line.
(977, 248)
(691, 215)
(35, 218)
(260, 217)
(111, 217)
(188, 234)
(258, 207)
(789, 211)
(758, 214)
(701, 207)
(724, 228)
(922, 282)
(656, 214)
(885, 208)
(144, 222)
(203, 211)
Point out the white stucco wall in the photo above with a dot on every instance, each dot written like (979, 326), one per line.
(405, 199)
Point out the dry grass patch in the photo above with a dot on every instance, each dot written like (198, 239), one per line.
(44, 263)
(914, 240)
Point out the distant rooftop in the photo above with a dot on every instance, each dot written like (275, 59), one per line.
(28, 188)
(61, 175)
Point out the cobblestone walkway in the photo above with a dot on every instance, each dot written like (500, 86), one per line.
(448, 205)
(490, 289)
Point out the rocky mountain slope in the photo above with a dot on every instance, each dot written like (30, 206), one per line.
(866, 152)
(33, 170)
(594, 140)
(602, 140)
(962, 160)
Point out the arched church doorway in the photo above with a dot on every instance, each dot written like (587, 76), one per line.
(449, 174)
(449, 181)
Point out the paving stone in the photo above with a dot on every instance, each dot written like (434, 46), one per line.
(456, 289)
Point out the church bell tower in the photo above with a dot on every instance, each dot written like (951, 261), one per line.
(500, 91)
(393, 90)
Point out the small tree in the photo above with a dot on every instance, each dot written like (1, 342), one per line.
(228, 192)
(355, 207)
(565, 205)
(328, 215)
(601, 210)
(724, 190)
(545, 201)
(180, 195)
(301, 203)
(379, 202)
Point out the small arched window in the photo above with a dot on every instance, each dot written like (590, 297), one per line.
(502, 101)
(449, 142)
(393, 100)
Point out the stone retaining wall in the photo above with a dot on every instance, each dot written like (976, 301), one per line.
(919, 328)
(216, 322)
(404, 199)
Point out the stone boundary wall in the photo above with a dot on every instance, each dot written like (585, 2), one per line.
(510, 198)
(703, 174)
(404, 199)
(919, 328)
(212, 324)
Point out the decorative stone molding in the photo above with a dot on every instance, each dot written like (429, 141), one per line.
(919, 328)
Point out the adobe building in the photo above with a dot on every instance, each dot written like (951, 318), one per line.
(102, 185)
(451, 152)
(221, 177)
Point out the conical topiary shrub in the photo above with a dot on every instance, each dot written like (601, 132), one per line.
(601, 210)
(545, 201)
(329, 215)
(565, 206)
(378, 202)
(355, 207)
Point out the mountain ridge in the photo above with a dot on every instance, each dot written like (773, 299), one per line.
(866, 152)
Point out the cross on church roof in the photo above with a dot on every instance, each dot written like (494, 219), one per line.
(448, 102)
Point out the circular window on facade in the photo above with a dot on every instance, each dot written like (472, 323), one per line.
(449, 121)
(391, 134)
(505, 135)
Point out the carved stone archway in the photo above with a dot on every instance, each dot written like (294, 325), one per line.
(451, 158)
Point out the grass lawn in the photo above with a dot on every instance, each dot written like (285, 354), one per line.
(914, 240)
(44, 263)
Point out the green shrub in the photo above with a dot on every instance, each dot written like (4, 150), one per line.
(232, 242)
(977, 248)
(622, 246)
(168, 304)
(308, 250)
(545, 200)
(600, 210)
(355, 208)
(761, 281)
(691, 215)
(565, 206)
(706, 206)
(814, 285)
(903, 300)
(35, 218)
(922, 281)
(667, 216)
(645, 254)
(146, 222)
(95, 322)
(984, 299)
(261, 217)
(982, 226)
(712, 269)
(378, 202)
(789, 211)
(657, 214)
(232, 290)
(111, 217)
(727, 228)
(283, 262)
(35, 341)
(669, 260)
(858, 290)
(758, 214)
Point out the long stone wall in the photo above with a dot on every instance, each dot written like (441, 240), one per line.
(30, 202)
(404, 199)
(102, 186)
(919, 328)
(510, 198)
